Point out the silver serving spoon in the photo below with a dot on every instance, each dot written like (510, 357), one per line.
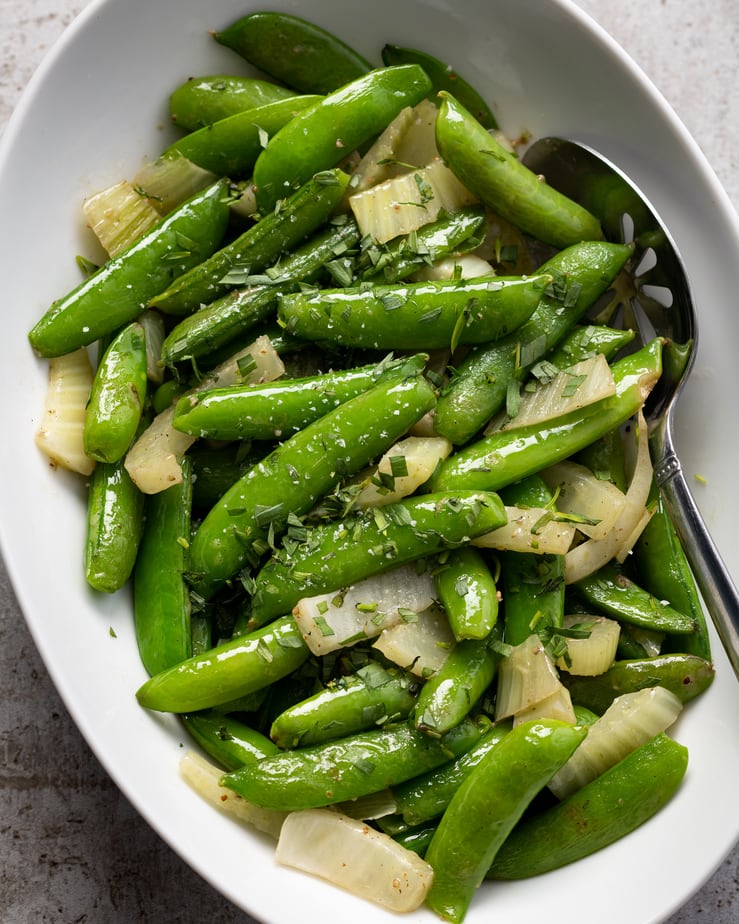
(661, 305)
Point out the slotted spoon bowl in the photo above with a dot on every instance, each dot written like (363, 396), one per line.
(659, 304)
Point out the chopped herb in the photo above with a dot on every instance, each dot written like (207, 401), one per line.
(266, 515)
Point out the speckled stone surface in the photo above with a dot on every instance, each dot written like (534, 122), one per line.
(71, 847)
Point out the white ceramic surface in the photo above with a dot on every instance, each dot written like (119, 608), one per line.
(96, 108)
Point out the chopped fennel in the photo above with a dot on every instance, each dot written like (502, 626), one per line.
(419, 645)
(169, 181)
(578, 386)
(525, 677)
(587, 557)
(153, 462)
(580, 492)
(355, 857)
(557, 705)
(588, 657)
(407, 202)
(389, 481)
(631, 720)
(378, 164)
(344, 617)
(119, 215)
(60, 434)
(530, 529)
(204, 777)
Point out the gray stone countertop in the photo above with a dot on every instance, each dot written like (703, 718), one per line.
(72, 849)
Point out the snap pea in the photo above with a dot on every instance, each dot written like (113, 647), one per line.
(685, 675)
(119, 291)
(504, 184)
(355, 766)
(215, 468)
(117, 397)
(443, 77)
(161, 598)
(371, 542)
(486, 807)
(372, 696)
(279, 409)
(608, 808)
(467, 591)
(230, 146)
(416, 839)
(663, 566)
(201, 101)
(258, 247)
(614, 593)
(324, 133)
(586, 340)
(455, 689)
(298, 53)
(403, 255)
(425, 797)
(115, 519)
(533, 584)
(246, 307)
(506, 456)
(241, 666)
(228, 740)
(413, 316)
(606, 458)
(300, 471)
(477, 390)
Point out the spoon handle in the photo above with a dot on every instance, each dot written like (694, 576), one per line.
(711, 574)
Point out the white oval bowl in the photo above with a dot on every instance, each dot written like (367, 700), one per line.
(93, 112)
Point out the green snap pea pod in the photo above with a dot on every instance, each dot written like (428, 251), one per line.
(608, 808)
(614, 593)
(115, 520)
(504, 184)
(233, 669)
(299, 472)
(279, 409)
(685, 675)
(663, 566)
(201, 101)
(355, 766)
(372, 542)
(414, 316)
(117, 396)
(533, 585)
(427, 795)
(443, 77)
(404, 255)
(226, 739)
(606, 458)
(467, 591)
(478, 389)
(119, 291)
(586, 340)
(323, 134)
(215, 468)
(246, 307)
(293, 51)
(506, 456)
(452, 692)
(487, 806)
(416, 839)
(230, 146)
(257, 247)
(161, 598)
(371, 697)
